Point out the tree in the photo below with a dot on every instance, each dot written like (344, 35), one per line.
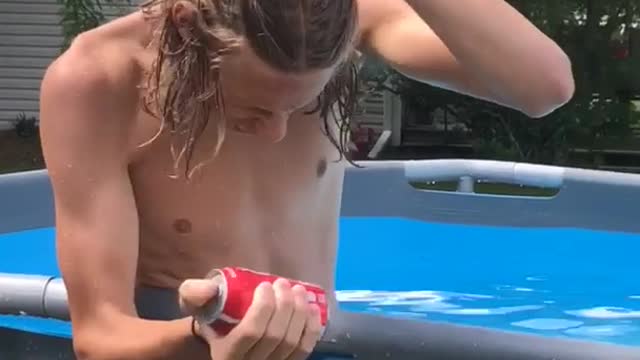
(78, 16)
(597, 36)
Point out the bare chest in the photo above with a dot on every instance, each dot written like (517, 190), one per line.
(271, 207)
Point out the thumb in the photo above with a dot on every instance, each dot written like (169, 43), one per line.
(195, 293)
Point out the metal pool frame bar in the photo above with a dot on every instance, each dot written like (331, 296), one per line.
(380, 189)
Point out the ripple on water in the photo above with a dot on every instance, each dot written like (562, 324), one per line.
(602, 331)
(418, 303)
(400, 297)
(492, 311)
(605, 312)
(617, 324)
(518, 289)
(547, 324)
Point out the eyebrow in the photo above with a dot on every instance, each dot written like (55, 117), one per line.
(259, 110)
(251, 108)
(263, 111)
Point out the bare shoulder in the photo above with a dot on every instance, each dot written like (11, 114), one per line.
(93, 70)
(89, 95)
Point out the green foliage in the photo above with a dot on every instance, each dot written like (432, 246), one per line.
(599, 115)
(24, 126)
(78, 16)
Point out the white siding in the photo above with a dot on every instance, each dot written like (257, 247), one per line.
(370, 112)
(30, 38)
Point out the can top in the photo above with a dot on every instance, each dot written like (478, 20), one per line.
(212, 309)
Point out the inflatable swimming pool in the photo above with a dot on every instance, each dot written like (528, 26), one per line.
(422, 274)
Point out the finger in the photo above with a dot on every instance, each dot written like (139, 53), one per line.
(296, 325)
(207, 332)
(254, 324)
(279, 323)
(311, 335)
(194, 293)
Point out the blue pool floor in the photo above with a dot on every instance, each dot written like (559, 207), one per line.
(551, 282)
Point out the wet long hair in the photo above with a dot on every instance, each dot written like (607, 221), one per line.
(292, 36)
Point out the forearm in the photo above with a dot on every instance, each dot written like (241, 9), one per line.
(134, 339)
(507, 54)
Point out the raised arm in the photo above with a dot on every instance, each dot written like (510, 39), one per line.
(86, 120)
(482, 48)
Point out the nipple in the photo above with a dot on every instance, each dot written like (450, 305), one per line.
(322, 167)
(182, 226)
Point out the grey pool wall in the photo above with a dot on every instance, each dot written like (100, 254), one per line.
(586, 199)
(382, 189)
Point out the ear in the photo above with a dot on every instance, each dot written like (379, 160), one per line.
(184, 14)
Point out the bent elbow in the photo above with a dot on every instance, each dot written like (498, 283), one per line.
(554, 98)
(90, 348)
(83, 349)
(556, 88)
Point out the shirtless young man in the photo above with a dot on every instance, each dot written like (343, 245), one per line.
(125, 131)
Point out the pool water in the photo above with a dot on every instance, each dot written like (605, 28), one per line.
(550, 282)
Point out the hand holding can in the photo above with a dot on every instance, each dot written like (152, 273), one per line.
(257, 314)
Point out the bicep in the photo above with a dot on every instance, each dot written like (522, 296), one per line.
(96, 239)
(96, 218)
(391, 25)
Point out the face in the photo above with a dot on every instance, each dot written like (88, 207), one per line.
(260, 100)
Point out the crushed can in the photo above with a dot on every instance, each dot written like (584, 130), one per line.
(236, 287)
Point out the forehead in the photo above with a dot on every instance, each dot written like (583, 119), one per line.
(245, 76)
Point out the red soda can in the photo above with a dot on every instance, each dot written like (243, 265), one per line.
(236, 286)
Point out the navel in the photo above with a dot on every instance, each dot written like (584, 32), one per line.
(321, 169)
(182, 226)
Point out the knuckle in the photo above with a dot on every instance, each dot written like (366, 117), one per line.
(306, 349)
(314, 332)
(304, 353)
(300, 301)
(291, 342)
(286, 301)
(252, 333)
(308, 344)
(265, 303)
(273, 336)
(299, 291)
(301, 353)
(282, 282)
(302, 308)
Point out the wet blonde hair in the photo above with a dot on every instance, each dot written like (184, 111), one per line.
(292, 36)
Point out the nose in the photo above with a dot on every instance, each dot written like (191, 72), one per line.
(275, 127)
